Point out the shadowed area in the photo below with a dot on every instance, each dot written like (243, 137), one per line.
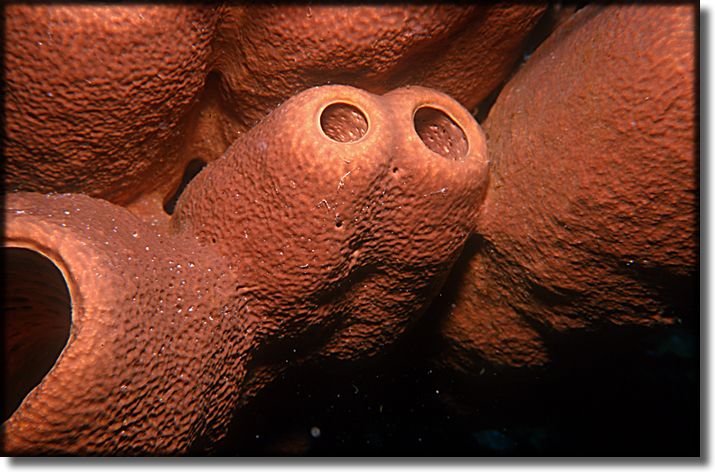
(36, 311)
(192, 170)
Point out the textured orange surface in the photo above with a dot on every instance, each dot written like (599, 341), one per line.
(115, 101)
(268, 53)
(95, 94)
(328, 218)
(293, 245)
(590, 216)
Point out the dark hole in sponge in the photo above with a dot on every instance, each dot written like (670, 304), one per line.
(440, 133)
(192, 169)
(343, 123)
(37, 315)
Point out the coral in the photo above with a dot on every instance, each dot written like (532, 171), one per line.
(314, 235)
(95, 95)
(117, 101)
(268, 53)
(590, 215)
(203, 198)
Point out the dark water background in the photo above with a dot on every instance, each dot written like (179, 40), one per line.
(629, 392)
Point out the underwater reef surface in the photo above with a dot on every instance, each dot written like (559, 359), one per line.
(351, 230)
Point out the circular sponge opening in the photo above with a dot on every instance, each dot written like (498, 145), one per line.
(343, 122)
(37, 313)
(440, 133)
